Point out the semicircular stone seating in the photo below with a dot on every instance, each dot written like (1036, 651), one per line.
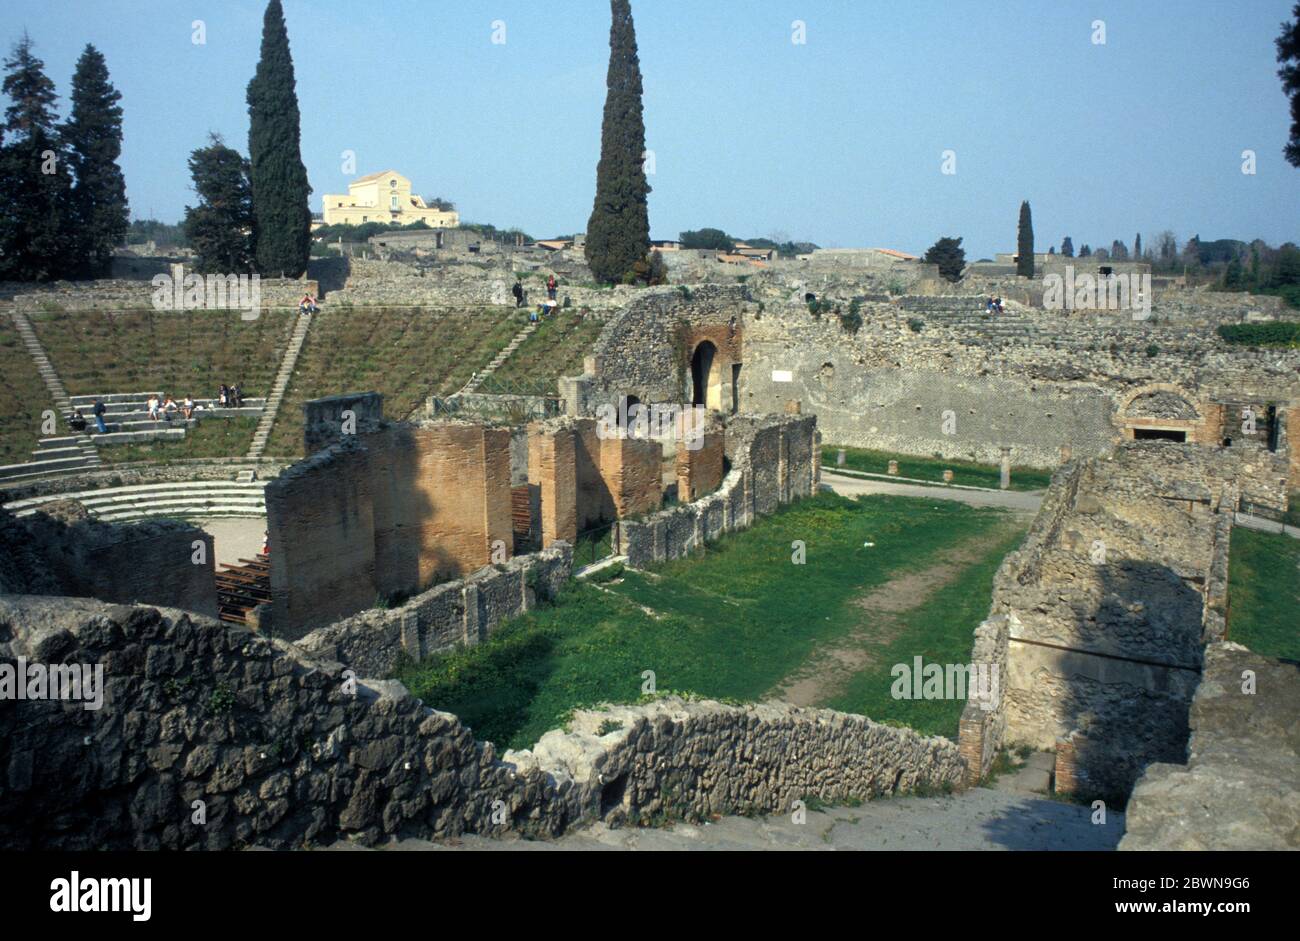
(173, 499)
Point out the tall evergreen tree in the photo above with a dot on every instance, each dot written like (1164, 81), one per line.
(282, 216)
(34, 182)
(1137, 247)
(1085, 251)
(94, 138)
(1025, 243)
(1118, 250)
(1067, 247)
(618, 233)
(1288, 54)
(219, 228)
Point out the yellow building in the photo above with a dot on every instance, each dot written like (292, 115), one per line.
(384, 197)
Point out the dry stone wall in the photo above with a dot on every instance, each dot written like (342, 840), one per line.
(1238, 788)
(206, 721)
(60, 550)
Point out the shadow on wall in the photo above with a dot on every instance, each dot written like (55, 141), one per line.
(1133, 714)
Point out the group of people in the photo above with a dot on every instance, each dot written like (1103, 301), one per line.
(992, 305)
(552, 288)
(307, 305)
(159, 408)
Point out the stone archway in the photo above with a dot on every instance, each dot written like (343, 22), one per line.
(1160, 411)
(707, 381)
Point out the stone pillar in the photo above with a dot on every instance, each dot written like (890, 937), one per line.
(472, 626)
(839, 458)
(411, 635)
(1005, 482)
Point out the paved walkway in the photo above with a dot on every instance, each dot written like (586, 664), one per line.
(1026, 501)
(979, 819)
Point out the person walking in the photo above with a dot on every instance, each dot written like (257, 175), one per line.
(518, 292)
(551, 287)
(98, 412)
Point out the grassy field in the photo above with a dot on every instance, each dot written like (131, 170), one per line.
(730, 623)
(928, 633)
(23, 398)
(1264, 593)
(931, 468)
(407, 354)
(211, 437)
(178, 352)
(556, 348)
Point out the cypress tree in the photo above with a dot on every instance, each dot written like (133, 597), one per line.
(281, 214)
(219, 227)
(94, 137)
(34, 181)
(1288, 56)
(1067, 248)
(618, 233)
(1025, 243)
(1137, 247)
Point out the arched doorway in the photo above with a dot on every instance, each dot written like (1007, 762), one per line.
(704, 382)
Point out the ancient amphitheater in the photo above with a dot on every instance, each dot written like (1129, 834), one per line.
(427, 466)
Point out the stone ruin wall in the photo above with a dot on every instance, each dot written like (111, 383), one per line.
(645, 349)
(773, 462)
(1238, 789)
(382, 512)
(132, 294)
(60, 550)
(284, 752)
(583, 480)
(462, 613)
(1103, 653)
(1055, 383)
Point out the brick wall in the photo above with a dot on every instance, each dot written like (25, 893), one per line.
(384, 512)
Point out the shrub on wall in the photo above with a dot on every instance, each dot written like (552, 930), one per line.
(1275, 333)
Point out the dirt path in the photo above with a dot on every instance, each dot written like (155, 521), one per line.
(828, 669)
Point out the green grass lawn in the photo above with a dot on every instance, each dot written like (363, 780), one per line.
(23, 399)
(730, 622)
(177, 352)
(556, 348)
(931, 468)
(1264, 593)
(928, 633)
(407, 354)
(211, 437)
(1292, 516)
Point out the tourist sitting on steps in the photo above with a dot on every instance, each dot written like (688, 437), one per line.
(187, 408)
(307, 305)
(153, 406)
(77, 422)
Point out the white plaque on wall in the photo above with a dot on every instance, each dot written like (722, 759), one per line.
(782, 375)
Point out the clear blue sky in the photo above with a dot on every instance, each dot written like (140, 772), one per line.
(838, 141)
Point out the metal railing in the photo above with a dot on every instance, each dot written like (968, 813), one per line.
(592, 545)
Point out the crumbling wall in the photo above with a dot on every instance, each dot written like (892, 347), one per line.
(60, 550)
(454, 614)
(587, 475)
(385, 512)
(1107, 605)
(328, 420)
(280, 751)
(1238, 788)
(773, 462)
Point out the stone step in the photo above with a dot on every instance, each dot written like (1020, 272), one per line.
(37, 468)
(136, 437)
(197, 488)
